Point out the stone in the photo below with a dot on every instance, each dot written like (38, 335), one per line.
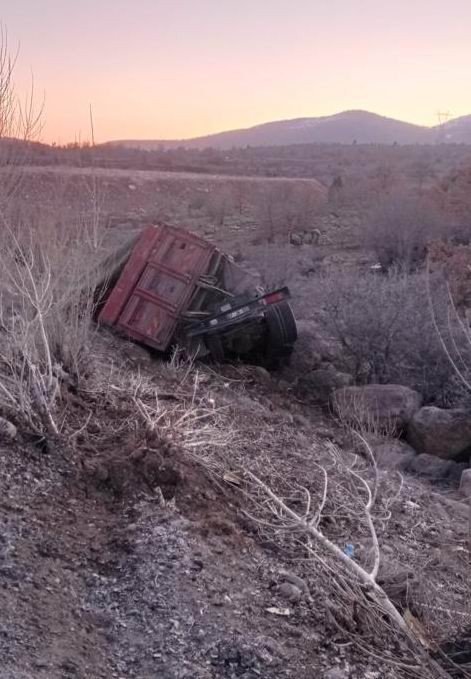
(8, 431)
(321, 383)
(335, 673)
(308, 238)
(263, 375)
(396, 580)
(290, 592)
(435, 468)
(440, 432)
(312, 343)
(385, 407)
(305, 356)
(296, 239)
(316, 236)
(393, 454)
(465, 483)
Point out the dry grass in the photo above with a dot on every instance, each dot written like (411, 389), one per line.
(48, 280)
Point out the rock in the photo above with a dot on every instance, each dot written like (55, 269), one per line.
(136, 354)
(396, 580)
(308, 238)
(393, 454)
(440, 432)
(263, 375)
(290, 592)
(465, 483)
(8, 431)
(321, 383)
(305, 356)
(296, 239)
(316, 236)
(313, 343)
(386, 407)
(335, 673)
(434, 468)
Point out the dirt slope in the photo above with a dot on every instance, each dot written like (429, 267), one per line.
(104, 575)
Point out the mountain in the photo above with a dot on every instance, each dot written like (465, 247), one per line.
(342, 128)
(457, 131)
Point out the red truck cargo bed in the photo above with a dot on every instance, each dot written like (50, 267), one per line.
(156, 284)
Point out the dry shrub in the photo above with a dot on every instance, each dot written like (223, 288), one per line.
(357, 417)
(20, 123)
(455, 262)
(48, 282)
(285, 207)
(49, 272)
(388, 334)
(399, 229)
(219, 203)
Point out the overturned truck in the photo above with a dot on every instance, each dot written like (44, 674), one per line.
(176, 288)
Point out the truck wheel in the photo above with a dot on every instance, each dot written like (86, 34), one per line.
(281, 323)
(282, 333)
(288, 322)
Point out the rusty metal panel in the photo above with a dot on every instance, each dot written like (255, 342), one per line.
(157, 284)
(130, 275)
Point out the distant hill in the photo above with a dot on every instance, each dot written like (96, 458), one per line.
(457, 131)
(348, 127)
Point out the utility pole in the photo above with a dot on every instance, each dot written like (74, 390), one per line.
(443, 117)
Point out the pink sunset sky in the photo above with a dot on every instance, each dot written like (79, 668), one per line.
(160, 69)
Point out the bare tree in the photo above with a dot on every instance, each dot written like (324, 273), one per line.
(20, 121)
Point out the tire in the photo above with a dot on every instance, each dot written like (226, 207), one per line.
(288, 322)
(281, 324)
(282, 333)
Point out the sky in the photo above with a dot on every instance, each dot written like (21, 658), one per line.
(163, 69)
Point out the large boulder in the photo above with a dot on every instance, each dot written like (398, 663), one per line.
(434, 468)
(440, 432)
(8, 431)
(321, 383)
(393, 454)
(385, 407)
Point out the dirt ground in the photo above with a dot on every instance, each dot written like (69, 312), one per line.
(113, 565)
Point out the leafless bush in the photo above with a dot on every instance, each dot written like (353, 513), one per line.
(399, 229)
(219, 202)
(196, 424)
(386, 332)
(48, 279)
(49, 272)
(285, 207)
(349, 493)
(20, 122)
(357, 417)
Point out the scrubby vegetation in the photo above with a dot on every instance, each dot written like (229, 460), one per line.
(400, 228)
(387, 327)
